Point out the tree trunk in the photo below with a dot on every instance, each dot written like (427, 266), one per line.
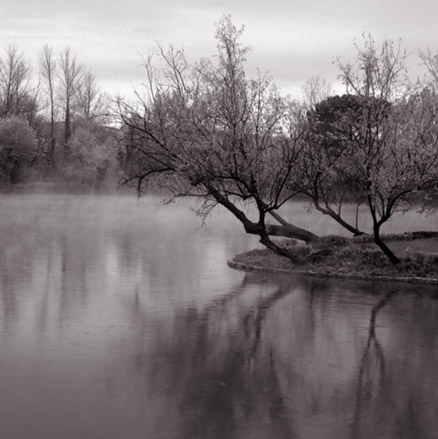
(67, 130)
(264, 239)
(286, 231)
(52, 147)
(388, 252)
(52, 129)
(354, 230)
(291, 231)
(299, 233)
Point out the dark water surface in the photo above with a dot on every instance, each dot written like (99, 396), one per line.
(120, 319)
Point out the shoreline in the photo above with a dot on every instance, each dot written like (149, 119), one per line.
(263, 261)
(408, 279)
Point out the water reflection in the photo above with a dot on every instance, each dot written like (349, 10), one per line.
(397, 406)
(116, 324)
(233, 384)
(237, 376)
(371, 383)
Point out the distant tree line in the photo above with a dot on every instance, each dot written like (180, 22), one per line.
(207, 130)
(55, 123)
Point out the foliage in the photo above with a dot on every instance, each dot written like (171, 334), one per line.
(17, 147)
(92, 158)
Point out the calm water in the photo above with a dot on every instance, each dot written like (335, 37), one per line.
(120, 319)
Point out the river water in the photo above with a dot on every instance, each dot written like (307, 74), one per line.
(121, 319)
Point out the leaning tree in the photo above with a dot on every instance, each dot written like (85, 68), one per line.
(210, 132)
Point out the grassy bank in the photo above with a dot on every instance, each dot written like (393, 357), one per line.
(335, 256)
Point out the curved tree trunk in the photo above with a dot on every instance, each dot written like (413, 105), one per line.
(264, 231)
(327, 211)
(298, 232)
(268, 243)
(285, 230)
(280, 251)
(388, 252)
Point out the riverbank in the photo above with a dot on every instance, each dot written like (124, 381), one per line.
(356, 259)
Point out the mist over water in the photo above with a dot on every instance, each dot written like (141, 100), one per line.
(119, 318)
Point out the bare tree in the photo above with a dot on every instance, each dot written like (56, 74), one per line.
(70, 75)
(209, 132)
(92, 103)
(430, 60)
(390, 140)
(48, 67)
(16, 94)
(316, 90)
(377, 72)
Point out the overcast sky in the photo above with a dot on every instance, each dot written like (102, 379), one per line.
(292, 39)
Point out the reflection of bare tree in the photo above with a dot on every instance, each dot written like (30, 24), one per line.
(253, 321)
(269, 360)
(240, 385)
(43, 312)
(13, 259)
(372, 368)
(219, 370)
(9, 303)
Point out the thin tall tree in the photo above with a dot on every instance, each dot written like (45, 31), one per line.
(48, 66)
(70, 74)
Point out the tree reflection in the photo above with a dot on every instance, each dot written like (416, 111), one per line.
(240, 386)
(159, 345)
(218, 368)
(370, 383)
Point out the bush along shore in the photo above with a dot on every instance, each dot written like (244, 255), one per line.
(353, 258)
